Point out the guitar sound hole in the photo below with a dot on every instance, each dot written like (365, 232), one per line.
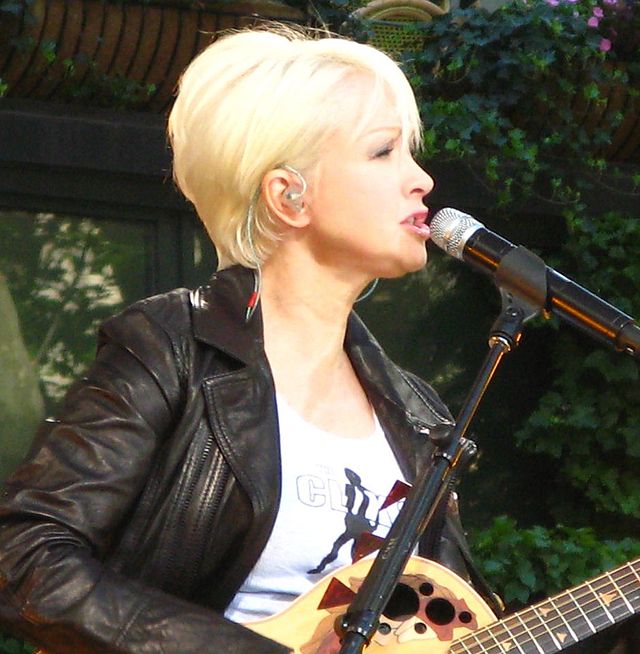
(402, 604)
(426, 589)
(440, 611)
(465, 617)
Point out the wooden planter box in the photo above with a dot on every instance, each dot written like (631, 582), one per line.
(625, 136)
(57, 47)
(593, 117)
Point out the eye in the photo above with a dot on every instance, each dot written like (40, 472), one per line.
(384, 151)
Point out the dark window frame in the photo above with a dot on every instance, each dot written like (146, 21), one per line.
(100, 164)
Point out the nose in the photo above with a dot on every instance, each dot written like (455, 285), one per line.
(419, 182)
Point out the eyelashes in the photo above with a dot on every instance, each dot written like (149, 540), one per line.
(384, 153)
(388, 148)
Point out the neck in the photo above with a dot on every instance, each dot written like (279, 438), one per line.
(305, 311)
(299, 315)
(306, 306)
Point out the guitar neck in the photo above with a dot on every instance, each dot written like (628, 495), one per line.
(568, 618)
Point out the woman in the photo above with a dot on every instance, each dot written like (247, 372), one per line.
(190, 481)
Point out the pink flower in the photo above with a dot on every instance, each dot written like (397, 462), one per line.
(553, 3)
(597, 12)
(605, 45)
(593, 22)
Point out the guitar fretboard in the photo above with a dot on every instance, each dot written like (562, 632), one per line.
(568, 618)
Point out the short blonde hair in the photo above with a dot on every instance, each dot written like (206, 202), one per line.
(257, 99)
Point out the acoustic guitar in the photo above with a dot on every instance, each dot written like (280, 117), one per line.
(433, 611)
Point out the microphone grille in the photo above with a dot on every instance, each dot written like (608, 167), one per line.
(450, 230)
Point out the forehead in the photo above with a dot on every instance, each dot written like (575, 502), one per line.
(365, 107)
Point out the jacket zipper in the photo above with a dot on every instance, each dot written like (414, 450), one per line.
(217, 482)
(180, 538)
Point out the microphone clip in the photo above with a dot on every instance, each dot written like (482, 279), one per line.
(522, 280)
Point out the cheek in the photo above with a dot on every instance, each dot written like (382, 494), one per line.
(351, 200)
(371, 197)
(343, 198)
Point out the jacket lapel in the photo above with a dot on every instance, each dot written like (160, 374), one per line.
(240, 397)
(243, 418)
(219, 315)
(406, 412)
(241, 400)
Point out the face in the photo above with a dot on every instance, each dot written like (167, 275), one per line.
(365, 197)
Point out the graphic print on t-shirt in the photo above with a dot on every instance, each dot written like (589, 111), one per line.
(356, 522)
(333, 489)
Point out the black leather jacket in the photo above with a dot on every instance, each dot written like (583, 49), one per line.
(143, 506)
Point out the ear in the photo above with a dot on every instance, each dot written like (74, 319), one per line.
(283, 194)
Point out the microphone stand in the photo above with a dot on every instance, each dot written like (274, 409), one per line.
(452, 449)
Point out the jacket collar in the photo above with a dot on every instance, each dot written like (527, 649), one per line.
(219, 310)
(380, 376)
(219, 319)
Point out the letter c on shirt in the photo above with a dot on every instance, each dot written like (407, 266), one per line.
(311, 490)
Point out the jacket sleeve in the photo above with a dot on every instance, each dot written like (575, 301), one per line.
(61, 510)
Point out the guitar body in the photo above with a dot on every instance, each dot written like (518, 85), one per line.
(433, 611)
(430, 607)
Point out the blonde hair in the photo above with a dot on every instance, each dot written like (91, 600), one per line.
(255, 100)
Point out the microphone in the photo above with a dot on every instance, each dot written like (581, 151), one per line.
(524, 274)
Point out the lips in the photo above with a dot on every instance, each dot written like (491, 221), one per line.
(417, 224)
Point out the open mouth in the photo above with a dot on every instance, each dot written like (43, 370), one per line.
(417, 223)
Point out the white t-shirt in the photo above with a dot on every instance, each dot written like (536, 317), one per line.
(332, 490)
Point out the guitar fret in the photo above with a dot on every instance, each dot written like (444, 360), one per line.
(582, 613)
(488, 642)
(574, 636)
(479, 643)
(612, 594)
(511, 639)
(556, 623)
(532, 630)
(550, 635)
(637, 575)
(528, 631)
(614, 590)
(497, 647)
(619, 594)
(503, 641)
(596, 609)
(465, 649)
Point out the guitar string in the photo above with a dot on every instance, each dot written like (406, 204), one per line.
(594, 606)
(495, 640)
(515, 633)
(528, 632)
(621, 584)
(574, 598)
(624, 599)
(511, 633)
(544, 624)
(621, 579)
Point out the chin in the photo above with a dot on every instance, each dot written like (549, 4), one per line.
(405, 266)
(418, 262)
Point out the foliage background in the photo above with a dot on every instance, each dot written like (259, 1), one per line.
(558, 435)
(519, 101)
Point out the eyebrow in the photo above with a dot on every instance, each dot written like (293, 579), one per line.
(384, 128)
(393, 133)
